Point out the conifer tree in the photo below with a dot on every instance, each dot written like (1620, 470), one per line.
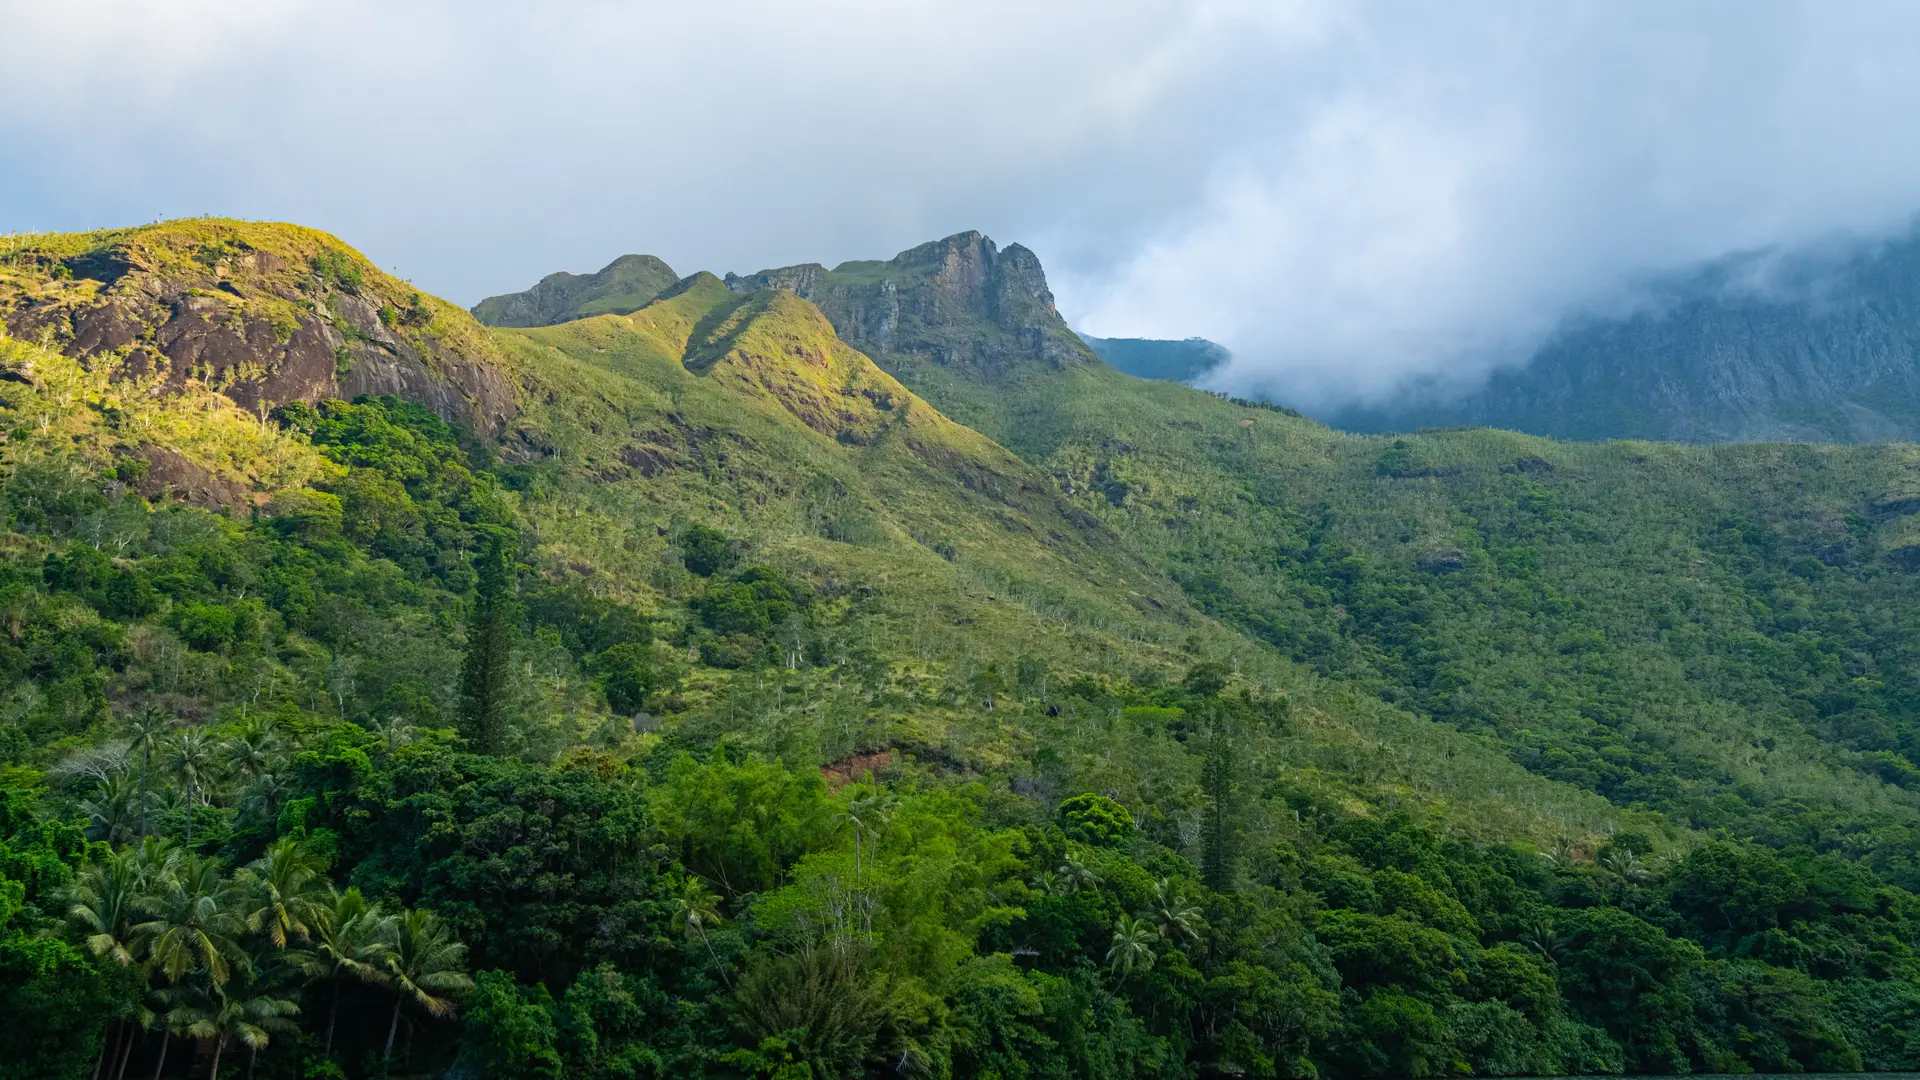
(483, 676)
(1217, 853)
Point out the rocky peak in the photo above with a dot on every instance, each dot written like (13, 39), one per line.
(960, 302)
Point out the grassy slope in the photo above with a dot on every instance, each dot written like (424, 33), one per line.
(1655, 621)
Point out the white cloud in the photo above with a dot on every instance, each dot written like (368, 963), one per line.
(1343, 192)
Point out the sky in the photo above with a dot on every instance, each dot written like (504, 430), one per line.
(1345, 194)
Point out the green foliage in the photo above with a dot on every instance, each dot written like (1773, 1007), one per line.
(704, 550)
(1095, 819)
(490, 638)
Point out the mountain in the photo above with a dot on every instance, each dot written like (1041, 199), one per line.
(623, 285)
(1176, 361)
(1421, 566)
(845, 673)
(1773, 346)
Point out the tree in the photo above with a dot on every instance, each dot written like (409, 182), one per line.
(1174, 915)
(868, 810)
(705, 550)
(1216, 827)
(105, 901)
(423, 965)
(1076, 873)
(695, 909)
(192, 761)
(193, 924)
(251, 754)
(287, 893)
(145, 731)
(349, 941)
(1132, 946)
(212, 1012)
(484, 674)
(1095, 819)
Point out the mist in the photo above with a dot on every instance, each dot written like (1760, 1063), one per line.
(1346, 195)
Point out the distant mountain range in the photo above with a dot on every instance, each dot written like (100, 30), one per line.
(1151, 358)
(1763, 347)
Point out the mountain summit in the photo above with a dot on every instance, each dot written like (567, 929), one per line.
(960, 302)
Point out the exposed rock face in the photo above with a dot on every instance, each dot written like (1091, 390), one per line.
(257, 326)
(958, 302)
(622, 287)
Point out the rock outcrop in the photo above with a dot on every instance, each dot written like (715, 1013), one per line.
(263, 314)
(960, 302)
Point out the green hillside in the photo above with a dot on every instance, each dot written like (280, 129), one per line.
(761, 682)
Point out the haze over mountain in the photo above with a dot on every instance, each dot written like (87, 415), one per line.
(1765, 347)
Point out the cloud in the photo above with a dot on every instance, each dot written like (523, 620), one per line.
(1345, 193)
(1457, 180)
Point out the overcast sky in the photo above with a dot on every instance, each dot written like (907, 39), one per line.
(1343, 193)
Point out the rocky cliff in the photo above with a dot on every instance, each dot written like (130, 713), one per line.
(961, 303)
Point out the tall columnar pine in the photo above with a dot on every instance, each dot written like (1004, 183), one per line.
(490, 633)
(1217, 855)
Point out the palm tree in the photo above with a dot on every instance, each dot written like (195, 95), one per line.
(104, 899)
(868, 811)
(393, 731)
(211, 1012)
(1625, 868)
(1132, 946)
(264, 796)
(192, 760)
(695, 909)
(193, 924)
(113, 811)
(349, 939)
(103, 904)
(1175, 915)
(1077, 873)
(423, 965)
(145, 729)
(251, 753)
(1541, 938)
(287, 892)
(1045, 882)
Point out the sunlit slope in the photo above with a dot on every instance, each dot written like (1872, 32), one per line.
(1718, 631)
(743, 410)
